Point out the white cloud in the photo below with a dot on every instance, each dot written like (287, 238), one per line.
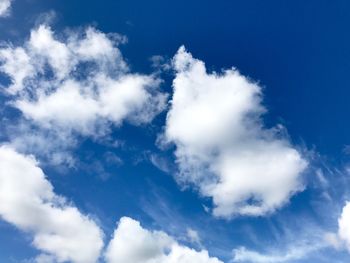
(75, 83)
(223, 148)
(344, 226)
(28, 201)
(17, 65)
(243, 254)
(133, 244)
(341, 239)
(52, 147)
(296, 245)
(78, 83)
(193, 236)
(4, 7)
(64, 234)
(160, 162)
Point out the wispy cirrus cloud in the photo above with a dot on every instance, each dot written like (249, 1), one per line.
(292, 254)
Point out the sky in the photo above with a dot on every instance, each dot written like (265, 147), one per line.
(174, 131)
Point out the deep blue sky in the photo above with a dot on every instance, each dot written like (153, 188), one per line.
(299, 51)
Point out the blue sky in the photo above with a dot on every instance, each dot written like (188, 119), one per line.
(174, 131)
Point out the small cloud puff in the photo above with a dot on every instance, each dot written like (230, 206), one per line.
(5, 6)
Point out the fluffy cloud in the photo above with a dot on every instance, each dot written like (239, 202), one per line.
(344, 226)
(341, 239)
(64, 234)
(133, 244)
(222, 147)
(78, 82)
(4, 7)
(28, 201)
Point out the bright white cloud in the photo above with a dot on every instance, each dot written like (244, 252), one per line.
(344, 226)
(223, 148)
(27, 200)
(4, 7)
(72, 84)
(341, 239)
(78, 82)
(133, 244)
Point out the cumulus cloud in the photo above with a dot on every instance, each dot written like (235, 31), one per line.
(77, 83)
(222, 146)
(344, 226)
(64, 234)
(4, 7)
(133, 244)
(340, 240)
(27, 200)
